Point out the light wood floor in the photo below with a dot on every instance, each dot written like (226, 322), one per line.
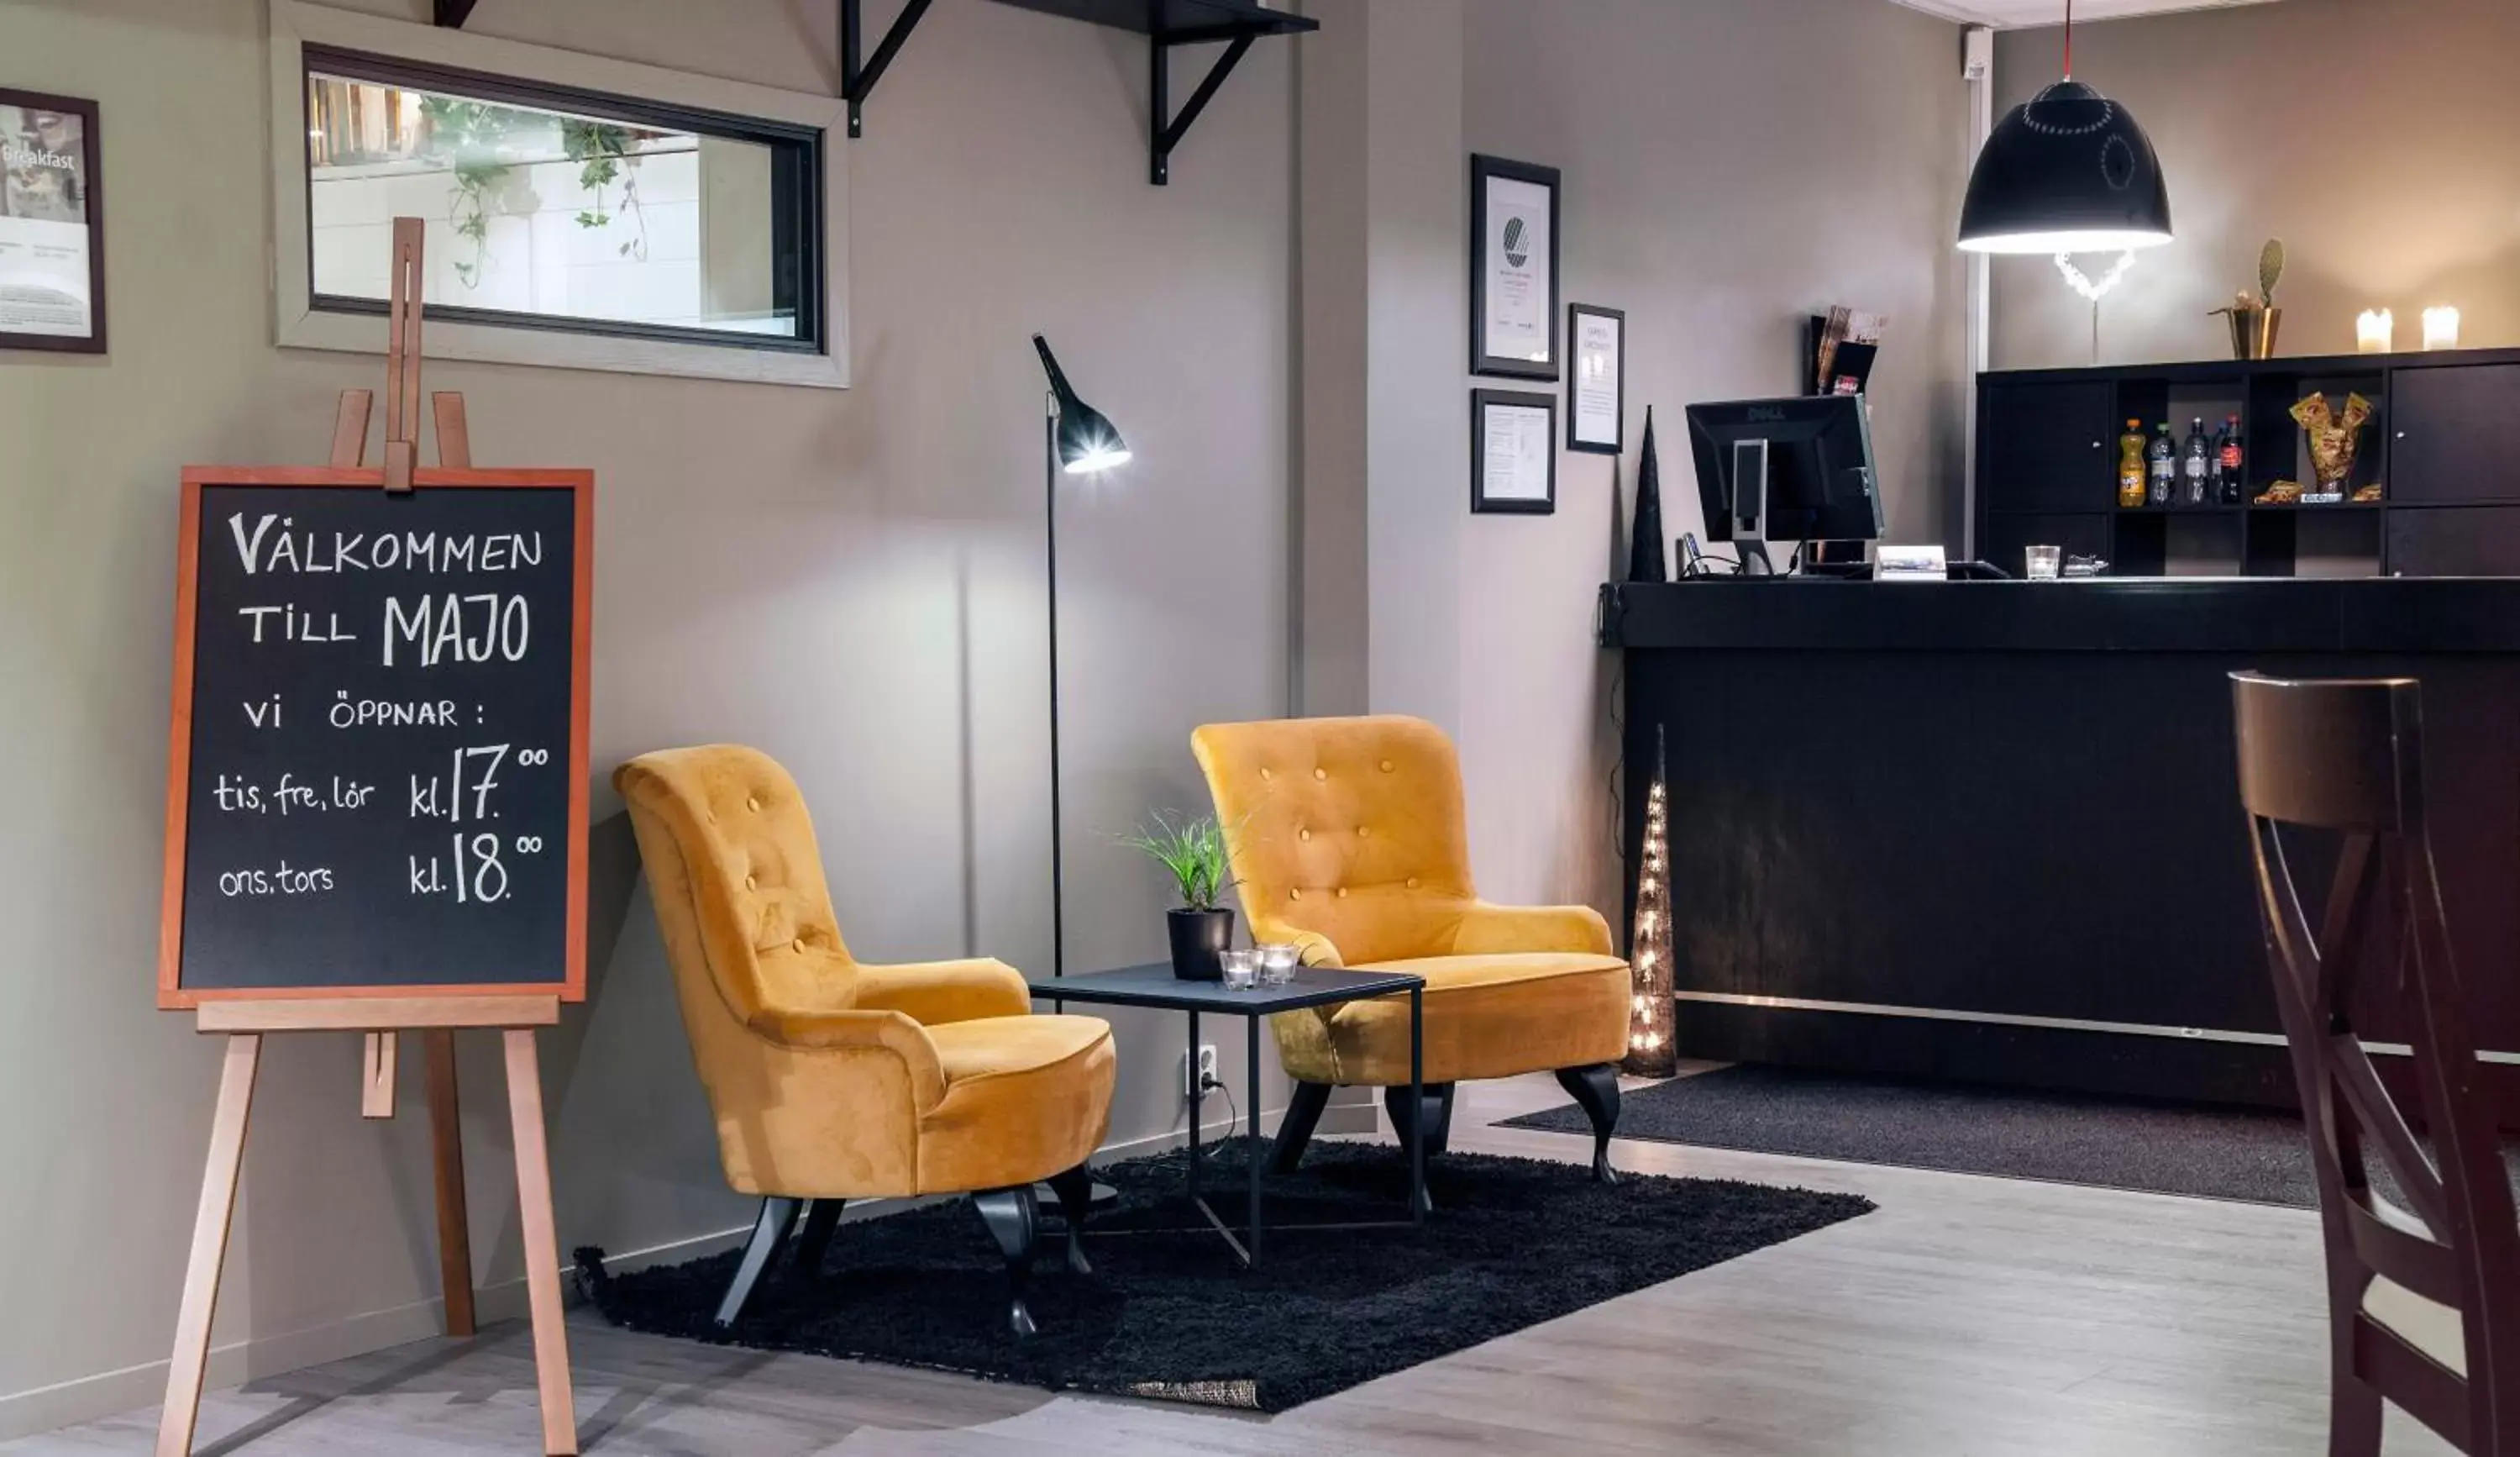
(1968, 1317)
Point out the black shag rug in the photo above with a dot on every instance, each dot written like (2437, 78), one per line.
(1514, 1242)
(2253, 1155)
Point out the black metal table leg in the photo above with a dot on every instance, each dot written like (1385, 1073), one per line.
(1197, 1106)
(1157, 987)
(1417, 1104)
(1251, 1052)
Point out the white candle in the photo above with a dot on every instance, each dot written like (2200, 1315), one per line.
(2440, 328)
(2375, 331)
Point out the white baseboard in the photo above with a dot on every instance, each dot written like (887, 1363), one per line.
(86, 1398)
(1156, 1143)
(1349, 1117)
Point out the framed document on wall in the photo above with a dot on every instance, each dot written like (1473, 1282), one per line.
(1513, 452)
(52, 225)
(1596, 387)
(1513, 269)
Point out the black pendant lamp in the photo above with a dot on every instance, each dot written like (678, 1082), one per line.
(2067, 171)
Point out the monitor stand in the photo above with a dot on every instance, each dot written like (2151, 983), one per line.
(1750, 507)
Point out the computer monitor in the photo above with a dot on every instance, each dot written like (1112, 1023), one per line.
(1785, 470)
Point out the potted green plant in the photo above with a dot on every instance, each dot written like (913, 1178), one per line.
(1193, 852)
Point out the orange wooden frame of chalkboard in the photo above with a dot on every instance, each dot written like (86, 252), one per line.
(172, 995)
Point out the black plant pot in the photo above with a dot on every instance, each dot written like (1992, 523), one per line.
(1199, 940)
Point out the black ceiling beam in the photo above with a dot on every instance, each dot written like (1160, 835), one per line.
(452, 14)
(856, 80)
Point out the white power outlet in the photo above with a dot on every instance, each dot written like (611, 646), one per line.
(1199, 1072)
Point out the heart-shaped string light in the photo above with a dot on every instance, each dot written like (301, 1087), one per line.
(2082, 282)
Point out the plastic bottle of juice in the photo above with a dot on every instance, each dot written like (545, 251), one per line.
(2131, 464)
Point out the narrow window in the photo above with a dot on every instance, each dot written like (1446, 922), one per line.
(560, 209)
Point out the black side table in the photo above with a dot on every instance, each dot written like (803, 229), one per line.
(1313, 987)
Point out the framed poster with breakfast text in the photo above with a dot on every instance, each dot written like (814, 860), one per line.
(52, 225)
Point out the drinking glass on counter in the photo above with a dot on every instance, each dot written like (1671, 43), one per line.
(1242, 970)
(1277, 963)
(2044, 561)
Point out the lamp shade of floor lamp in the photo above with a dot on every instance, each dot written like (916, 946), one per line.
(1650, 1010)
(1077, 439)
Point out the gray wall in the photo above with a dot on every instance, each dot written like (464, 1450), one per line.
(1729, 169)
(850, 580)
(2373, 136)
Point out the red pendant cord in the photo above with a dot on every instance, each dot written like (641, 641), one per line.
(2069, 39)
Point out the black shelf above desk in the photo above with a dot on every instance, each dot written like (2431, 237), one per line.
(2443, 440)
(1167, 24)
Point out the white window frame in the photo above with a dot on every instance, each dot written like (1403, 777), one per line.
(298, 324)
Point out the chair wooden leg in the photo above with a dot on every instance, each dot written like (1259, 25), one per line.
(1075, 1191)
(1595, 1089)
(1435, 1116)
(2352, 1418)
(822, 1218)
(1013, 1221)
(769, 1232)
(1295, 1130)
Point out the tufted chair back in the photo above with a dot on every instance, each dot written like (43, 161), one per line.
(738, 886)
(1349, 830)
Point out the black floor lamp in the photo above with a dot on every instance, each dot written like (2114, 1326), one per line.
(1077, 440)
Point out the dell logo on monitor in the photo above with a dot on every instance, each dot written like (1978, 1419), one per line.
(1767, 415)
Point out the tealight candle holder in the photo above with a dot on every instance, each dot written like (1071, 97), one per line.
(2440, 328)
(1277, 963)
(2375, 331)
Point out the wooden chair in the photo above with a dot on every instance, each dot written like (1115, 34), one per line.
(2423, 1301)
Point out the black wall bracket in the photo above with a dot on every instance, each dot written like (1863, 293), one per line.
(1167, 24)
(452, 14)
(1164, 135)
(858, 78)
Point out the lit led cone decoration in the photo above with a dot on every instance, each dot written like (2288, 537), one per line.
(1651, 1053)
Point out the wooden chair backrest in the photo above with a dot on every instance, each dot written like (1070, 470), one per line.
(2344, 760)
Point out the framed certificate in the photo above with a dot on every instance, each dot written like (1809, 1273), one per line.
(52, 225)
(1596, 387)
(1513, 452)
(1513, 269)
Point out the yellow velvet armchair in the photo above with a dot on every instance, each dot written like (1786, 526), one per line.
(831, 1079)
(1347, 838)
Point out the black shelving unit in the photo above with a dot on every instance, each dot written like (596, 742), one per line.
(2443, 440)
(1167, 24)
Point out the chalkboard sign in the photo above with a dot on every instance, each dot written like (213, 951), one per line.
(378, 759)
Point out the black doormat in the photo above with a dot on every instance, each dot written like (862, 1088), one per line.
(1514, 1242)
(2216, 1152)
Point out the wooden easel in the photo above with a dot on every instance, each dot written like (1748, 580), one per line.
(436, 1018)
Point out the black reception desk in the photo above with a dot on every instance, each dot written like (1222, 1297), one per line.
(1990, 829)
